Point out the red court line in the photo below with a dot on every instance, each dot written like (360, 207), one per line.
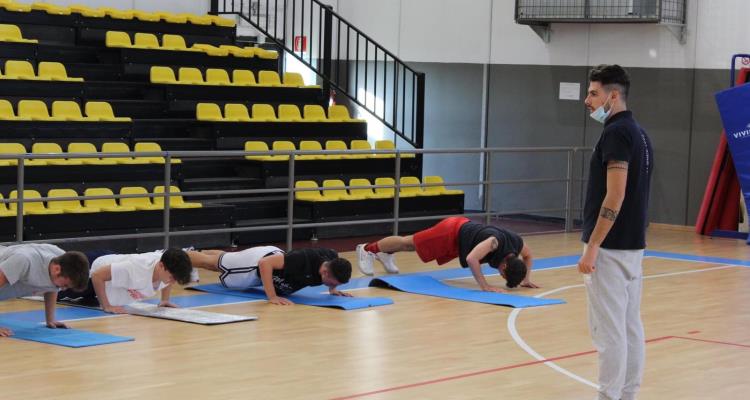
(713, 341)
(483, 372)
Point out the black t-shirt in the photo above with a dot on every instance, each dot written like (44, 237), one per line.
(301, 269)
(471, 234)
(622, 140)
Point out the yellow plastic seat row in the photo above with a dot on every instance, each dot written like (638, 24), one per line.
(119, 39)
(73, 206)
(234, 112)
(313, 145)
(62, 110)
(48, 71)
(220, 77)
(333, 189)
(12, 33)
(110, 147)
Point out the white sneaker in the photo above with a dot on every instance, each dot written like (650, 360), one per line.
(387, 261)
(365, 260)
(194, 277)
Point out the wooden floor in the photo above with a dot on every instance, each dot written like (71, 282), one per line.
(696, 315)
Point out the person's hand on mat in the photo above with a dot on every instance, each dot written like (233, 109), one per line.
(115, 310)
(339, 293)
(168, 304)
(280, 301)
(490, 288)
(5, 332)
(56, 324)
(529, 284)
(586, 263)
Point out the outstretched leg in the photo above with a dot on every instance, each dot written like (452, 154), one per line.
(383, 250)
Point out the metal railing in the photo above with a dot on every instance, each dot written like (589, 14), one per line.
(291, 190)
(344, 57)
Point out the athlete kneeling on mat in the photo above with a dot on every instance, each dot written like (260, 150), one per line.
(279, 273)
(473, 244)
(120, 279)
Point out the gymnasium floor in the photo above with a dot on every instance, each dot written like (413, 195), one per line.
(420, 347)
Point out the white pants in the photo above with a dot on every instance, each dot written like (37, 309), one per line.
(614, 292)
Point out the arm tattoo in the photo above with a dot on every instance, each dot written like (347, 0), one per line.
(609, 214)
(618, 165)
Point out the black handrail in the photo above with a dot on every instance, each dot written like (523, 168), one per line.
(401, 88)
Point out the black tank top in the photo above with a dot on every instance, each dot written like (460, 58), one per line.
(471, 234)
(301, 269)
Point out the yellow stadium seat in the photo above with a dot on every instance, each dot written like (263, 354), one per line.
(254, 145)
(107, 205)
(367, 193)
(117, 39)
(339, 113)
(152, 147)
(140, 203)
(31, 207)
(6, 112)
(198, 19)
(146, 41)
(385, 191)
(269, 78)
(439, 188)
(334, 189)
(173, 18)
(238, 51)
(15, 7)
(163, 75)
(102, 111)
(211, 50)
(266, 54)
(16, 69)
(175, 200)
(146, 16)
(87, 11)
(236, 113)
(190, 76)
(51, 8)
(289, 113)
(215, 76)
(77, 147)
(118, 147)
(35, 110)
(263, 112)
(283, 145)
(243, 77)
(336, 145)
(293, 79)
(308, 195)
(221, 21)
(55, 71)
(314, 113)
(68, 111)
(208, 112)
(68, 206)
(389, 145)
(12, 33)
(117, 14)
(4, 211)
(361, 145)
(413, 190)
(175, 42)
(11, 148)
(310, 145)
(52, 148)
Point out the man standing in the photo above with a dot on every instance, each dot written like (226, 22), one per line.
(615, 219)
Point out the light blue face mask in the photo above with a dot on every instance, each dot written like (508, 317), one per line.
(600, 115)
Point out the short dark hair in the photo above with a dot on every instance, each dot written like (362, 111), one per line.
(177, 263)
(341, 269)
(74, 265)
(611, 75)
(515, 271)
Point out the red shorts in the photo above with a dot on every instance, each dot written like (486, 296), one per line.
(440, 242)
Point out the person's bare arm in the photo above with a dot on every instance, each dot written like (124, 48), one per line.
(474, 260)
(165, 294)
(209, 261)
(617, 179)
(528, 259)
(266, 266)
(98, 278)
(50, 300)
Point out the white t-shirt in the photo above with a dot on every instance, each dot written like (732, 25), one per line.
(132, 276)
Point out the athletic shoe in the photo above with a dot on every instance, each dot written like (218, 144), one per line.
(387, 261)
(194, 277)
(365, 260)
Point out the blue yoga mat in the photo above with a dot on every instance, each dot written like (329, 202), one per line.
(308, 299)
(432, 287)
(36, 332)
